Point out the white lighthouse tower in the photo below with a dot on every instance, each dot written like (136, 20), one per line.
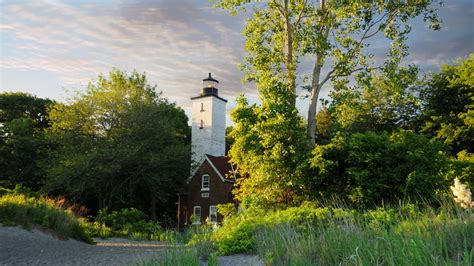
(208, 122)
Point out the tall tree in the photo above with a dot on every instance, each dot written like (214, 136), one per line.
(23, 118)
(334, 34)
(121, 144)
(448, 100)
(269, 147)
(385, 101)
(370, 168)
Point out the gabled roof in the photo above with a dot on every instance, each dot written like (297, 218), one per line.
(221, 166)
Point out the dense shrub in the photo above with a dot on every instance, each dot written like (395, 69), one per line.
(130, 223)
(18, 209)
(369, 168)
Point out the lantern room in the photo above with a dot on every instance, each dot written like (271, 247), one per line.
(209, 86)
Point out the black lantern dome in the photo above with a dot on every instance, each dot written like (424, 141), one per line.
(209, 86)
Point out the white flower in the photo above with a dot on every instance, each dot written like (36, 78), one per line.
(462, 194)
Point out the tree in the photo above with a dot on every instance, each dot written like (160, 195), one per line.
(334, 34)
(369, 168)
(14, 105)
(23, 118)
(385, 101)
(120, 144)
(269, 147)
(448, 100)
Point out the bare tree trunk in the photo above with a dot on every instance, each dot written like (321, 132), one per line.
(290, 66)
(315, 83)
(313, 102)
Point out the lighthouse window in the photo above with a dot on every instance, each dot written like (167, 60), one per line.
(202, 125)
(202, 107)
(205, 182)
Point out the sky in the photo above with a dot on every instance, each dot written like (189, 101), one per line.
(51, 47)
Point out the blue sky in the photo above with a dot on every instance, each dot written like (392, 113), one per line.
(50, 47)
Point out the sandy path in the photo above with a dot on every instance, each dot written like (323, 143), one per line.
(22, 247)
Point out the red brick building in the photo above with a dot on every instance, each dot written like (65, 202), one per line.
(210, 185)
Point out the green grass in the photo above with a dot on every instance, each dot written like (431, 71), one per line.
(315, 235)
(18, 209)
(174, 257)
(428, 239)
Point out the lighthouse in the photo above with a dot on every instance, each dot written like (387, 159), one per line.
(212, 176)
(208, 121)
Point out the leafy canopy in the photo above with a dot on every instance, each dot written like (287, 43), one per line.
(269, 145)
(119, 144)
(448, 100)
(335, 36)
(23, 118)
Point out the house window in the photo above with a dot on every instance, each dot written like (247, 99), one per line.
(196, 219)
(202, 107)
(205, 182)
(205, 195)
(213, 214)
(202, 125)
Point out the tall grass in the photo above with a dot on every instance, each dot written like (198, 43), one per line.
(427, 238)
(18, 209)
(174, 257)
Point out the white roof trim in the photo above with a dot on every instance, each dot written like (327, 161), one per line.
(215, 169)
(197, 166)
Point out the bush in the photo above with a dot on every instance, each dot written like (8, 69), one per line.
(368, 169)
(227, 210)
(18, 209)
(130, 223)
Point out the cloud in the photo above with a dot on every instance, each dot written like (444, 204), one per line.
(176, 42)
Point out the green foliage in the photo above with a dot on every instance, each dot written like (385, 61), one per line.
(174, 257)
(23, 118)
(317, 235)
(334, 35)
(130, 223)
(377, 102)
(227, 210)
(270, 144)
(16, 105)
(391, 237)
(238, 234)
(201, 241)
(18, 209)
(119, 144)
(448, 101)
(95, 229)
(367, 169)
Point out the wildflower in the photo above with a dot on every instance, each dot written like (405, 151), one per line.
(462, 194)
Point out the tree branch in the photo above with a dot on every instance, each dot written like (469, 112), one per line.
(279, 8)
(330, 76)
(300, 15)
